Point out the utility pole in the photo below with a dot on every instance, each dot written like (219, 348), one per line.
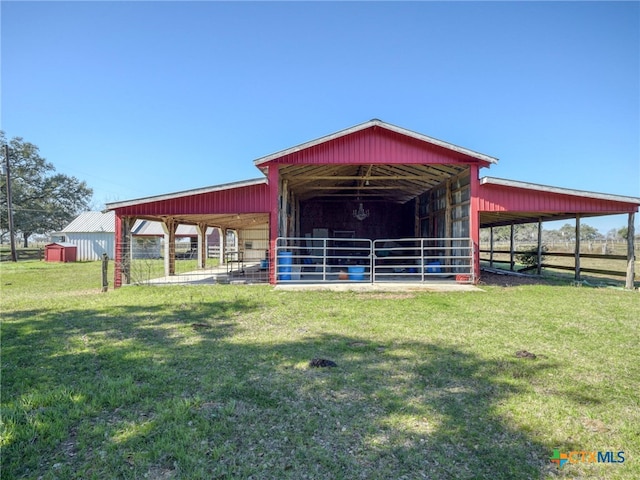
(12, 240)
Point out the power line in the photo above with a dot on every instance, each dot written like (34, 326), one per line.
(14, 256)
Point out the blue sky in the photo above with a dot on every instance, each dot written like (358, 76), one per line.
(146, 98)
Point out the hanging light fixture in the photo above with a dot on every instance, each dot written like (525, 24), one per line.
(361, 213)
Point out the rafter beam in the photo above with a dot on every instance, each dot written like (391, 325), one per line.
(370, 187)
(360, 178)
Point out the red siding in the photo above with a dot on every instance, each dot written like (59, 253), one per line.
(376, 145)
(499, 198)
(474, 220)
(274, 181)
(117, 273)
(60, 253)
(250, 199)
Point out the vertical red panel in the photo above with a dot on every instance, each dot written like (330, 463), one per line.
(117, 271)
(474, 219)
(375, 146)
(274, 183)
(248, 199)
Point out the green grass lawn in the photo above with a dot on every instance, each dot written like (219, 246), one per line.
(213, 381)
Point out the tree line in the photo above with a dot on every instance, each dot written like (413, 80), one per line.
(43, 200)
(528, 232)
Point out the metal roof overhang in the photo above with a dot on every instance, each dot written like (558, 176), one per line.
(505, 202)
(230, 206)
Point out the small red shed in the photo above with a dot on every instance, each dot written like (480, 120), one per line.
(60, 252)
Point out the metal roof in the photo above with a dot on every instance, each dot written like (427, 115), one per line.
(187, 193)
(92, 222)
(560, 190)
(104, 222)
(506, 202)
(62, 244)
(228, 206)
(376, 123)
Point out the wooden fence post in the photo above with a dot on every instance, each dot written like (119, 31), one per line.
(539, 268)
(631, 257)
(577, 250)
(105, 268)
(491, 247)
(512, 262)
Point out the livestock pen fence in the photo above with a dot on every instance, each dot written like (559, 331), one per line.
(146, 260)
(599, 258)
(316, 260)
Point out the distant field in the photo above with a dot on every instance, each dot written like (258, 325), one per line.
(142, 270)
(502, 259)
(201, 382)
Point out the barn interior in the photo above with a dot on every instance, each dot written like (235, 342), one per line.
(375, 201)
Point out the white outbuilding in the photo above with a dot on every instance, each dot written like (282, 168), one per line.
(93, 233)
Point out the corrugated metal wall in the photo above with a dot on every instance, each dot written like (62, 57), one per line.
(251, 199)
(91, 246)
(377, 146)
(498, 198)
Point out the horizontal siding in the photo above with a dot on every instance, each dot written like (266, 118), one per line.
(498, 198)
(251, 199)
(376, 146)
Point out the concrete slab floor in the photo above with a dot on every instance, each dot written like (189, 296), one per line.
(382, 287)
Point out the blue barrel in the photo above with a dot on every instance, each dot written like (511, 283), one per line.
(434, 267)
(356, 273)
(285, 260)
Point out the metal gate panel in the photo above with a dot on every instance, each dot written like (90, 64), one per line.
(423, 259)
(321, 260)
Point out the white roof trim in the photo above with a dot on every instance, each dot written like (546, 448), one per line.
(62, 244)
(562, 191)
(186, 193)
(379, 123)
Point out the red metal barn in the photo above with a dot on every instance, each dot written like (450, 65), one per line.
(372, 203)
(60, 252)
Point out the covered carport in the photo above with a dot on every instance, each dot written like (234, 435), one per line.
(504, 202)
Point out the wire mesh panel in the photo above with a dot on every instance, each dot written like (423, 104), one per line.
(143, 262)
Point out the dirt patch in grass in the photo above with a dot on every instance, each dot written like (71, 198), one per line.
(510, 280)
(385, 296)
(157, 473)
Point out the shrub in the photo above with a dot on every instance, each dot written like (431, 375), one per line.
(529, 258)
